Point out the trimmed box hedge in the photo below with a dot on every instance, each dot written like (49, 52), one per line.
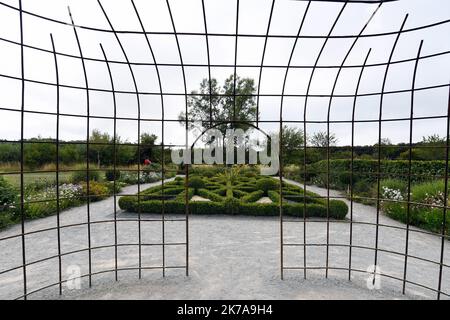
(234, 194)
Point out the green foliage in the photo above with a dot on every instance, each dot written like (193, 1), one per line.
(253, 196)
(196, 182)
(148, 149)
(425, 210)
(7, 195)
(394, 184)
(38, 152)
(81, 176)
(210, 195)
(224, 107)
(234, 198)
(322, 139)
(153, 167)
(97, 190)
(206, 171)
(267, 184)
(111, 175)
(340, 170)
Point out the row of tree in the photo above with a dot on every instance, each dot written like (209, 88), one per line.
(103, 149)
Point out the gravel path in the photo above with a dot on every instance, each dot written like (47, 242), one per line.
(230, 257)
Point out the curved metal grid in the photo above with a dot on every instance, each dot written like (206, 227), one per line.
(339, 66)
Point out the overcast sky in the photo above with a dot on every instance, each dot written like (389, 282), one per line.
(221, 18)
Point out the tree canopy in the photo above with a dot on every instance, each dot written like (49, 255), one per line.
(222, 107)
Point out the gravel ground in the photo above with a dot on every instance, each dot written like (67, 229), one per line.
(231, 257)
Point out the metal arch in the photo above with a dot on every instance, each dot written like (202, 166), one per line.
(351, 166)
(209, 63)
(22, 156)
(304, 131)
(88, 132)
(235, 60)
(349, 66)
(57, 257)
(115, 159)
(379, 144)
(328, 128)
(262, 62)
(139, 135)
(162, 126)
(58, 209)
(241, 35)
(445, 209)
(186, 199)
(446, 85)
(408, 206)
(280, 172)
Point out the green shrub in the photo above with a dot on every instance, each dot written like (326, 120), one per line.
(113, 189)
(266, 184)
(111, 175)
(340, 171)
(228, 197)
(196, 183)
(338, 209)
(210, 195)
(252, 197)
(153, 167)
(97, 190)
(7, 195)
(207, 171)
(127, 203)
(81, 176)
(421, 212)
(6, 219)
(394, 184)
(274, 196)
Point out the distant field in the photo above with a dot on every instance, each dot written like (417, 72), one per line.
(50, 177)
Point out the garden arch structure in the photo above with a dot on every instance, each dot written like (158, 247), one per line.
(23, 261)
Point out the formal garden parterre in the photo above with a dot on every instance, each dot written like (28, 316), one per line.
(234, 191)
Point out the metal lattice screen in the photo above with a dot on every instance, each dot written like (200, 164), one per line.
(293, 93)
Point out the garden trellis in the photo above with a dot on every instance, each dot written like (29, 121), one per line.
(303, 106)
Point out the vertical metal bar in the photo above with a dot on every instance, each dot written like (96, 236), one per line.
(58, 209)
(209, 71)
(380, 121)
(262, 63)
(22, 156)
(352, 166)
(87, 147)
(408, 205)
(186, 199)
(162, 113)
(281, 138)
(235, 62)
(444, 211)
(305, 136)
(328, 131)
(115, 159)
(139, 134)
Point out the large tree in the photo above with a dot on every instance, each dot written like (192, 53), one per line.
(292, 145)
(322, 139)
(230, 106)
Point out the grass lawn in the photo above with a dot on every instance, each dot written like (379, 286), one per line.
(29, 178)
